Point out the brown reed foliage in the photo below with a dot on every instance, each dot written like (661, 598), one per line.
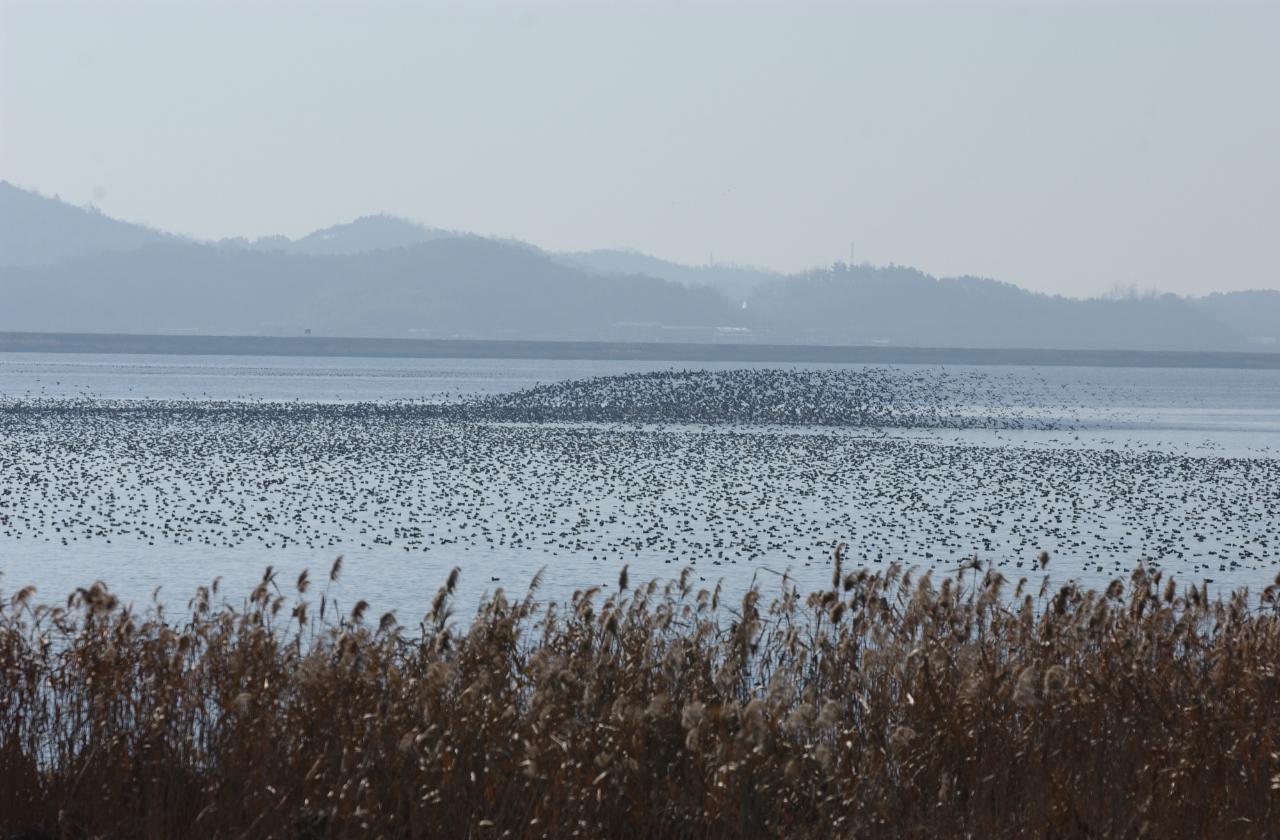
(891, 705)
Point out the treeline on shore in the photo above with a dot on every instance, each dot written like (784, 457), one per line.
(892, 704)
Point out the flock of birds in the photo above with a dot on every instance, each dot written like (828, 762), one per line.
(696, 469)
(848, 397)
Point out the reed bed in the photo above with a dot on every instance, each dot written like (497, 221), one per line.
(894, 704)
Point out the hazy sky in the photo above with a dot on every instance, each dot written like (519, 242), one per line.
(1065, 148)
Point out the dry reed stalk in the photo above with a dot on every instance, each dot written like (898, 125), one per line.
(890, 705)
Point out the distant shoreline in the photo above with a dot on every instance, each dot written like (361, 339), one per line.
(411, 348)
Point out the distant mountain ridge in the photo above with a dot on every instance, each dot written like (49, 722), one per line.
(36, 230)
(71, 269)
(1254, 314)
(738, 282)
(455, 287)
(367, 233)
(903, 306)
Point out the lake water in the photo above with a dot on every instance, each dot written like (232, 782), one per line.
(1180, 467)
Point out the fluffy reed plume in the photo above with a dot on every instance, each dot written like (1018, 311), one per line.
(894, 704)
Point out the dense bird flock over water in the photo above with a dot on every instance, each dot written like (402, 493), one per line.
(861, 398)
(728, 469)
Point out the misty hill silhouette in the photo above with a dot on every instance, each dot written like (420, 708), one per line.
(738, 282)
(70, 269)
(1254, 314)
(903, 306)
(367, 233)
(35, 230)
(463, 287)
